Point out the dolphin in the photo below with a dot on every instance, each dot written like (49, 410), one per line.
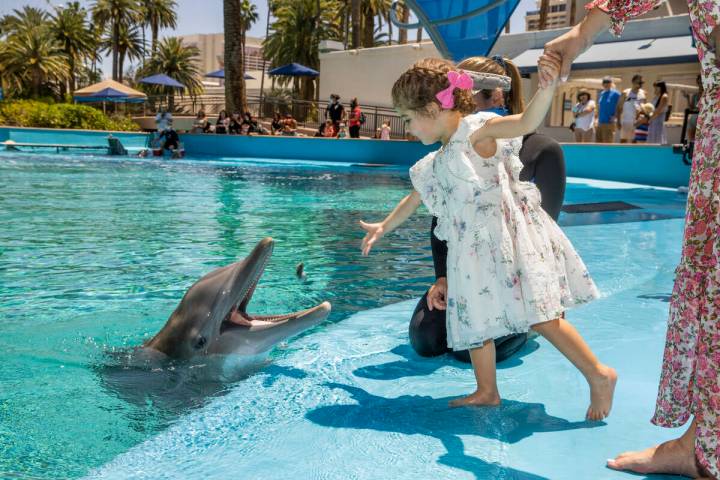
(212, 317)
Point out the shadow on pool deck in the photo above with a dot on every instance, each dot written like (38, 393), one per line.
(414, 365)
(509, 423)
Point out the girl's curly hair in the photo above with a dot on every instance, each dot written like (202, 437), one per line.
(415, 90)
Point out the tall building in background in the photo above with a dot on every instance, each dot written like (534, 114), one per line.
(212, 46)
(561, 12)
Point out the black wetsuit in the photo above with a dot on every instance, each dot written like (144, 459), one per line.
(543, 163)
(172, 139)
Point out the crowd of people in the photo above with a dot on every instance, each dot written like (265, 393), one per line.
(637, 118)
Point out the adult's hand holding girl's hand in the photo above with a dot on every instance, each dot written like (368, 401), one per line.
(375, 232)
(550, 64)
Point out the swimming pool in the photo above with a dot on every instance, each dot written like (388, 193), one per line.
(96, 253)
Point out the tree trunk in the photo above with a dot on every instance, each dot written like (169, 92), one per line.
(390, 30)
(346, 24)
(418, 39)
(369, 28)
(355, 13)
(573, 13)
(115, 41)
(544, 7)
(121, 61)
(71, 64)
(155, 31)
(235, 100)
(404, 18)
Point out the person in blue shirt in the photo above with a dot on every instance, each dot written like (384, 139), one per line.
(607, 112)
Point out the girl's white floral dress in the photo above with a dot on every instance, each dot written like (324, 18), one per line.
(509, 264)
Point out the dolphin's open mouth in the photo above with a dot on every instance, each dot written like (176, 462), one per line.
(238, 316)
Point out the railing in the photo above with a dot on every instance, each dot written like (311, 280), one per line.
(305, 112)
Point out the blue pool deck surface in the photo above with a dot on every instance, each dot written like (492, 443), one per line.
(354, 401)
(350, 399)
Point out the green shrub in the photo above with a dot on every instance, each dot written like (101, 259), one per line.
(32, 113)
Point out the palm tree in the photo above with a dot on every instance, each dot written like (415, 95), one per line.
(130, 46)
(295, 36)
(404, 18)
(248, 16)
(114, 14)
(32, 57)
(69, 26)
(370, 9)
(544, 7)
(355, 12)
(158, 14)
(176, 60)
(23, 20)
(238, 16)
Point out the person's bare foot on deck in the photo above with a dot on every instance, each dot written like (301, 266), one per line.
(672, 457)
(478, 398)
(602, 389)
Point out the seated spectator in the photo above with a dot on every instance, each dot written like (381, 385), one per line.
(277, 124)
(642, 122)
(377, 134)
(329, 130)
(289, 120)
(287, 131)
(342, 132)
(222, 122)
(252, 124)
(201, 123)
(234, 125)
(385, 130)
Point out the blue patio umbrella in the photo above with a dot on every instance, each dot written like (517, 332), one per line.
(162, 80)
(107, 95)
(221, 74)
(460, 28)
(294, 70)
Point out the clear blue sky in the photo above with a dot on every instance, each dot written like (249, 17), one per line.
(205, 16)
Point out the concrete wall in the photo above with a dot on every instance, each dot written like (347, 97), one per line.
(369, 73)
(69, 137)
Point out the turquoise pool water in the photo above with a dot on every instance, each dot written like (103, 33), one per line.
(96, 253)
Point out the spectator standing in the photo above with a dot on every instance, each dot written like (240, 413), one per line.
(628, 105)
(607, 108)
(656, 129)
(335, 111)
(355, 120)
(642, 121)
(163, 119)
(584, 112)
(385, 131)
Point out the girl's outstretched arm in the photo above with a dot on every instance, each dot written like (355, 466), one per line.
(375, 231)
(527, 122)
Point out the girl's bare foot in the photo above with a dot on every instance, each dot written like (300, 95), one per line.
(673, 457)
(477, 399)
(602, 388)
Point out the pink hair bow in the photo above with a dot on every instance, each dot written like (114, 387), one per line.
(457, 80)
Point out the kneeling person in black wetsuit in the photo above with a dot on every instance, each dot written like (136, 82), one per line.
(497, 88)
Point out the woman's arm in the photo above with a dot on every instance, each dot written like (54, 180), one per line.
(403, 210)
(661, 106)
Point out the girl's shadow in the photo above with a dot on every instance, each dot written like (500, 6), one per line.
(413, 365)
(511, 422)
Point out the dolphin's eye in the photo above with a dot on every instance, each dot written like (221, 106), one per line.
(200, 343)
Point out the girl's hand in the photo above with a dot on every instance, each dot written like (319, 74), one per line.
(549, 65)
(437, 295)
(375, 232)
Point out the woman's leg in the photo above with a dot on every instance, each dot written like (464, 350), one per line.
(578, 135)
(601, 378)
(589, 135)
(673, 457)
(483, 362)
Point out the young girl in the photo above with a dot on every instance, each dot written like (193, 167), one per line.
(642, 122)
(510, 267)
